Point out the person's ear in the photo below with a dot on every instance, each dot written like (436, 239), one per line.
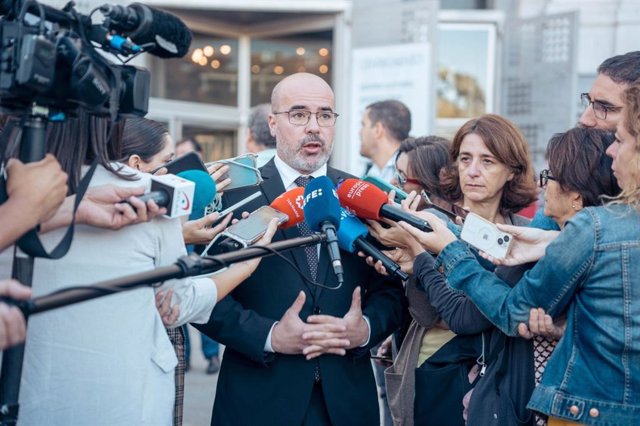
(577, 203)
(378, 129)
(134, 161)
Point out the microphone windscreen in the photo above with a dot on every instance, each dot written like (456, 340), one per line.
(351, 228)
(291, 203)
(321, 203)
(204, 193)
(362, 198)
(167, 31)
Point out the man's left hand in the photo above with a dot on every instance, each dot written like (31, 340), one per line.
(356, 331)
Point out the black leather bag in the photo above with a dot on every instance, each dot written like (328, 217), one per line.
(443, 380)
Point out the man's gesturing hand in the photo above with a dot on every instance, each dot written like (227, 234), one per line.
(286, 337)
(353, 333)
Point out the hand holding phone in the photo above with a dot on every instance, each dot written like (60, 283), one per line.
(453, 214)
(248, 230)
(485, 236)
(188, 161)
(242, 171)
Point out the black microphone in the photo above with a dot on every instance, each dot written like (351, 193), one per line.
(144, 25)
(322, 213)
(351, 238)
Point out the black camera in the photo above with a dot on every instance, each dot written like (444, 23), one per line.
(50, 57)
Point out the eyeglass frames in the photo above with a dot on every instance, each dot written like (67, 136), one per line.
(545, 176)
(403, 180)
(301, 117)
(600, 109)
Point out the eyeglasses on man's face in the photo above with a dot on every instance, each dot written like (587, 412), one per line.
(301, 117)
(600, 109)
(545, 176)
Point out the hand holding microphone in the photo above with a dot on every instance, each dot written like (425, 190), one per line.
(369, 202)
(351, 238)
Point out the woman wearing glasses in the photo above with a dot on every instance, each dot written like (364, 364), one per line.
(579, 174)
(418, 166)
(492, 176)
(590, 271)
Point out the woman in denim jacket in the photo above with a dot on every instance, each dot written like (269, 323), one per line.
(592, 271)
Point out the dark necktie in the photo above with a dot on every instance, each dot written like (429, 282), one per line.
(312, 251)
(312, 259)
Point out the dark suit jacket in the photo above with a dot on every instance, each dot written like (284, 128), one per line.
(255, 387)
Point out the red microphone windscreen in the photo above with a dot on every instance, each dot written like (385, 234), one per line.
(362, 198)
(291, 203)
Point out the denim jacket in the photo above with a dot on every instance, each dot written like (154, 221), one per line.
(592, 270)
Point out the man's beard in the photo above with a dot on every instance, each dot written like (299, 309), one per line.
(301, 163)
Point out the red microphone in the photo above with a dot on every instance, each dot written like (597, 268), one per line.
(367, 201)
(290, 203)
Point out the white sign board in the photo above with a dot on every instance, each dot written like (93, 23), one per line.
(400, 72)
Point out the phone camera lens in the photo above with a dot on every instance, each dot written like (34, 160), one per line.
(506, 238)
(500, 241)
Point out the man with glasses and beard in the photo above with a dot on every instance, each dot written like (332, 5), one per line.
(297, 353)
(603, 103)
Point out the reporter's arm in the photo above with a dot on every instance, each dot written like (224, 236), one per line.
(200, 231)
(226, 281)
(102, 207)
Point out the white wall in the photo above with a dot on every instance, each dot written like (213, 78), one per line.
(607, 27)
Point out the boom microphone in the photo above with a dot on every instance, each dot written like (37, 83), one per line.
(367, 201)
(351, 238)
(322, 214)
(143, 24)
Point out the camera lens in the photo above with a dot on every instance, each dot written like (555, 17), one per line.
(506, 238)
(500, 241)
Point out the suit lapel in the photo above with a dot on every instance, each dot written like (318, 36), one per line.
(272, 187)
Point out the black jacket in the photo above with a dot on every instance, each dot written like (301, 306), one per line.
(255, 387)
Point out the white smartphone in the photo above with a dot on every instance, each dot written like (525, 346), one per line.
(485, 236)
(251, 229)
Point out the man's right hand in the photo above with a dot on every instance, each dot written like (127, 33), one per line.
(286, 337)
(39, 188)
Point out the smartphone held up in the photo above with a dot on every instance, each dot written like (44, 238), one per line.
(486, 236)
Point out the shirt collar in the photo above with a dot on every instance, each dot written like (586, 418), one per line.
(387, 169)
(288, 174)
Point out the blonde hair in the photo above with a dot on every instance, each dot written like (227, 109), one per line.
(631, 121)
